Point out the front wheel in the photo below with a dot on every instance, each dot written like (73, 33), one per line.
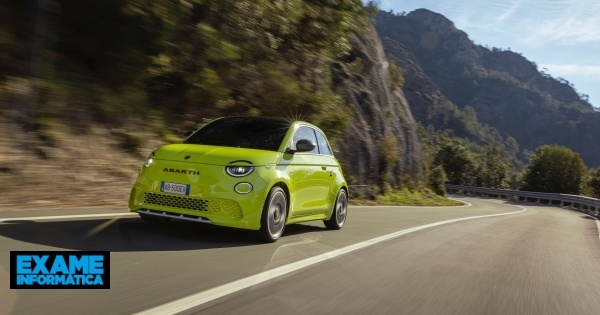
(340, 211)
(274, 216)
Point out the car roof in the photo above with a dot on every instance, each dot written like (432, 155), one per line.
(268, 119)
(258, 119)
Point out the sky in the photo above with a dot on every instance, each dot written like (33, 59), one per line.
(561, 36)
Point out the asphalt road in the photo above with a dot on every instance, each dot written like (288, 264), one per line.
(544, 260)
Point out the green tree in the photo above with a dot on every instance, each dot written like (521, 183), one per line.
(493, 169)
(388, 150)
(256, 57)
(457, 160)
(594, 182)
(437, 179)
(554, 169)
(114, 60)
(78, 59)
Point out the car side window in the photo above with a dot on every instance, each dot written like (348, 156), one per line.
(305, 133)
(322, 144)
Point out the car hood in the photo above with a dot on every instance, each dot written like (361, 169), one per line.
(215, 155)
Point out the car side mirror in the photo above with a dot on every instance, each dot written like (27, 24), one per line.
(305, 145)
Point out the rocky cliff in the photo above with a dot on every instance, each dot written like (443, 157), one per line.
(381, 144)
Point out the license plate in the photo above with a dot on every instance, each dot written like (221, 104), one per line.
(175, 188)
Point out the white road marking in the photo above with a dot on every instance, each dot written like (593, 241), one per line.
(200, 298)
(77, 216)
(465, 204)
(597, 223)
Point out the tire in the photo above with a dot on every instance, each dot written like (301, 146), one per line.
(152, 219)
(274, 216)
(340, 212)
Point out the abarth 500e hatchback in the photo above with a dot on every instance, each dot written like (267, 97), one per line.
(256, 173)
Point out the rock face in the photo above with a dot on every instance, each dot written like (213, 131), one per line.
(381, 145)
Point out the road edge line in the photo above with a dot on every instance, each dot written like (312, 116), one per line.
(597, 223)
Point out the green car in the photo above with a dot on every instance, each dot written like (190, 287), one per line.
(256, 173)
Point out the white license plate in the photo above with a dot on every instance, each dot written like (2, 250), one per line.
(175, 188)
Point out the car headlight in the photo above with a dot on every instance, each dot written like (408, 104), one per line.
(149, 160)
(239, 171)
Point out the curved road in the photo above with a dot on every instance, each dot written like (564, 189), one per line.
(544, 260)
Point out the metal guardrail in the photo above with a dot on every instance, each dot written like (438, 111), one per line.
(587, 205)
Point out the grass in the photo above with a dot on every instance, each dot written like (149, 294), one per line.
(408, 197)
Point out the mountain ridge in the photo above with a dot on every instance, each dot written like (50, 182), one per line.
(506, 90)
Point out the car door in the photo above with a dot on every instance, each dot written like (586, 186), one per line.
(308, 177)
(331, 168)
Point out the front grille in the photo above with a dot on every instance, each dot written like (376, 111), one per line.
(232, 208)
(181, 202)
(222, 207)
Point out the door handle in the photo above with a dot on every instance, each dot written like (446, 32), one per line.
(323, 167)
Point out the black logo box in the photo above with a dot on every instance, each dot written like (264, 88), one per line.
(53, 254)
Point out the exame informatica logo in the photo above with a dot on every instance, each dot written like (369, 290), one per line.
(59, 270)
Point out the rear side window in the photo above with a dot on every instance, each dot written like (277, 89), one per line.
(306, 133)
(322, 144)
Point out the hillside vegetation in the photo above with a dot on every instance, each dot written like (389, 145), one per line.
(115, 61)
(87, 89)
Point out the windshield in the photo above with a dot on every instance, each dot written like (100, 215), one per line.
(243, 132)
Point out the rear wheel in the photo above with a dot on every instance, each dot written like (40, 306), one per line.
(340, 211)
(153, 219)
(274, 215)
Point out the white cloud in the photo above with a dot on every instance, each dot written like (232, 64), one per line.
(486, 15)
(507, 10)
(563, 21)
(565, 31)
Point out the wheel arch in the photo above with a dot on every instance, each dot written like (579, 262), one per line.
(344, 187)
(288, 198)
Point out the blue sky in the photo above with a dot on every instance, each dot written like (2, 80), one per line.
(562, 36)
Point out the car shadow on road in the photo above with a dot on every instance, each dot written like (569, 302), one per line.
(132, 234)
